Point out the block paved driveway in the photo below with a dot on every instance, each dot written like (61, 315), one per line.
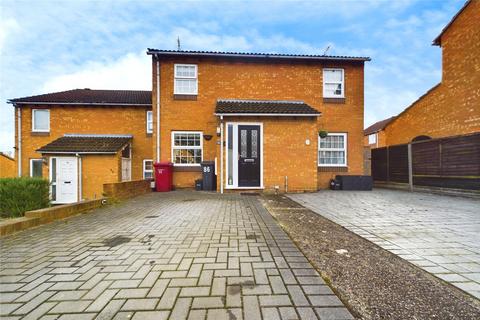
(440, 234)
(181, 255)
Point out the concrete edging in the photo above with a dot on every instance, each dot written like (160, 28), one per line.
(42, 216)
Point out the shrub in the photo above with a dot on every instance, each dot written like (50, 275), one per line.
(18, 195)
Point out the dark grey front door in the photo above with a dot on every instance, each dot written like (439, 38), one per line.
(249, 156)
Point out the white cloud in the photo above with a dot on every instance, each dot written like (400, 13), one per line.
(8, 27)
(132, 71)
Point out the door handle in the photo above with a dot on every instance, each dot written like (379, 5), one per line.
(248, 160)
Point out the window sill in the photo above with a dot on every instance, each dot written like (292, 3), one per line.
(189, 168)
(332, 169)
(192, 97)
(40, 133)
(336, 100)
(149, 135)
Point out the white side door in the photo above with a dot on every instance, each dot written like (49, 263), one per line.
(67, 180)
(126, 169)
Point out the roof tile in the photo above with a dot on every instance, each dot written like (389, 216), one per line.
(87, 144)
(89, 96)
(280, 107)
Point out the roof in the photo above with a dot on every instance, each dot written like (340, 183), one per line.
(87, 143)
(438, 40)
(226, 54)
(90, 97)
(6, 156)
(264, 108)
(377, 126)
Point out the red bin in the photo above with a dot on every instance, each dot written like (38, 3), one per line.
(163, 176)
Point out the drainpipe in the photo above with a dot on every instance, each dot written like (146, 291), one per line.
(158, 108)
(221, 154)
(19, 143)
(80, 191)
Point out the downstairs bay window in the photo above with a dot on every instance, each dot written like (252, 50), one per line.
(187, 148)
(332, 150)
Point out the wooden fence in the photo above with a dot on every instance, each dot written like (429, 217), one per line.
(451, 162)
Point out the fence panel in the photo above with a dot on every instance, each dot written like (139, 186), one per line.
(452, 162)
(461, 156)
(380, 164)
(398, 163)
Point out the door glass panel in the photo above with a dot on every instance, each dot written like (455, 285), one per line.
(230, 154)
(243, 143)
(254, 144)
(54, 192)
(54, 170)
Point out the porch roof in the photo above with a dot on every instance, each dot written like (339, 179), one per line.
(292, 108)
(87, 143)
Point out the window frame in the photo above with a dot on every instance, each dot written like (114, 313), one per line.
(149, 112)
(326, 94)
(175, 77)
(31, 167)
(374, 136)
(173, 147)
(33, 121)
(344, 149)
(144, 170)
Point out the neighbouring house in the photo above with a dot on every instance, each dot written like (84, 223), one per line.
(374, 136)
(81, 139)
(451, 107)
(258, 116)
(7, 166)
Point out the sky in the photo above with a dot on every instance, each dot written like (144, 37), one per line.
(48, 46)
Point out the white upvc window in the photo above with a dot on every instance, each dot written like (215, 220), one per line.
(332, 150)
(36, 167)
(187, 148)
(186, 80)
(333, 83)
(372, 138)
(149, 121)
(40, 120)
(148, 169)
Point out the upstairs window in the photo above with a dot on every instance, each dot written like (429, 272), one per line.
(186, 148)
(186, 81)
(332, 150)
(149, 122)
(40, 120)
(372, 138)
(333, 83)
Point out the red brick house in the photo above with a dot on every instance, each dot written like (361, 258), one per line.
(80, 139)
(257, 116)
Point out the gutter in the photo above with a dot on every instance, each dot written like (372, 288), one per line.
(73, 152)
(78, 103)
(269, 114)
(19, 143)
(158, 107)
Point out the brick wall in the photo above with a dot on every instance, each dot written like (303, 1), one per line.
(7, 166)
(452, 107)
(97, 170)
(381, 140)
(276, 81)
(127, 189)
(90, 120)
